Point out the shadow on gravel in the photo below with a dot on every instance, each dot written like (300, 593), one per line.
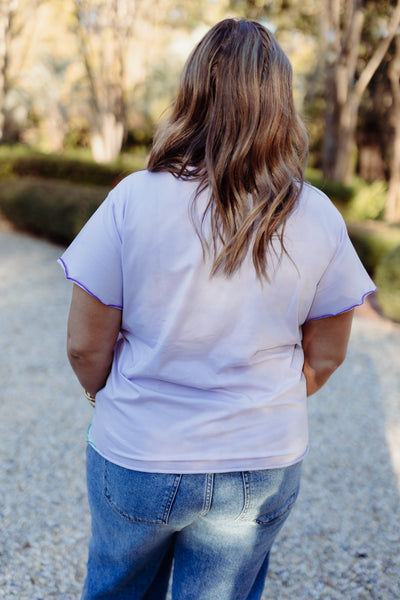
(342, 540)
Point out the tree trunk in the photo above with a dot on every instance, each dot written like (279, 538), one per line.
(392, 212)
(343, 166)
(344, 35)
(105, 70)
(106, 138)
(6, 15)
(2, 75)
(343, 94)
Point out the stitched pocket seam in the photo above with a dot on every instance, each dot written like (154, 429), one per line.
(278, 514)
(166, 506)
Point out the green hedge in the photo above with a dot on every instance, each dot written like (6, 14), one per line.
(58, 210)
(372, 241)
(339, 194)
(54, 209)
(378, 246)
(56, 167)
(388, 282)
(368, 201)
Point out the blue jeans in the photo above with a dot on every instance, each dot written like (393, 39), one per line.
(216, 529)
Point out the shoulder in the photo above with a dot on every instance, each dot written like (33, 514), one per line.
(145, 184)
(142, 180)
(315, 223)
(128, 184)
(144, 197)
(316, 209)
(131, 190)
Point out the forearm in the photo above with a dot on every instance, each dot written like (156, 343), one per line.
(91, 369)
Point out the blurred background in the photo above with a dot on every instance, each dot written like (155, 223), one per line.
(83, 84)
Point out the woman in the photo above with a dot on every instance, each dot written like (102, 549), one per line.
(214, 293)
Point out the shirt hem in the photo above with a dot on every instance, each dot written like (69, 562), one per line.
(209, 466)
(81, 285)
(344, 310)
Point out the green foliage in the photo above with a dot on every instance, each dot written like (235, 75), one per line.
(372, 242)
(357, 202)
(57, 209)
(75, 165)
(134, 160)
(368, 201)
(17, 150)
(388, 282)
(378, 246)
(53, 195)
(56, 167)
(337, 192)
(54, 209)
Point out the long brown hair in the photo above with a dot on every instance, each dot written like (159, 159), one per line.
(234, 128)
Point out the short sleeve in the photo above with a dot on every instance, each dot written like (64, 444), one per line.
(93, 260)
(344, 283)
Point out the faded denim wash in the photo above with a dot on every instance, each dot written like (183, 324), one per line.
(215, 529)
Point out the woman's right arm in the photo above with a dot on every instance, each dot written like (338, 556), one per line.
(324, 344)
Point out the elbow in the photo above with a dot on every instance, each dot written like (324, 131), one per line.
(74, 355)
(339, 358)
(329, 366)
(331, 362)
(317, 371)
(76, 352)
(80, 351)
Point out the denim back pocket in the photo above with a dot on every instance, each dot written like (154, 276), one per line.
(138, 496)
(275, 516)
(270, 494)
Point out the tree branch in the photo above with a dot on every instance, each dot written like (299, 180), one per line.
(83, 42)
(378, 55)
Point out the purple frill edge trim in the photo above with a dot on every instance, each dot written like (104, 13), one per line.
(67, 275)
(346, 309)
(62, 263)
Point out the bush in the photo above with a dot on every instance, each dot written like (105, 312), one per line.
(368, 202)
(377, 245)
(372, 242)
(337, 192)
(56, 167)
(388, 282)
(57, 210)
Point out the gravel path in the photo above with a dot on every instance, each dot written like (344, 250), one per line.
(342, 541)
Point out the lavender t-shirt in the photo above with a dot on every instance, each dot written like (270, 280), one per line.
(207, 374)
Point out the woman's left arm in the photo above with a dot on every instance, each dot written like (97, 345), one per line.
(93, 330)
